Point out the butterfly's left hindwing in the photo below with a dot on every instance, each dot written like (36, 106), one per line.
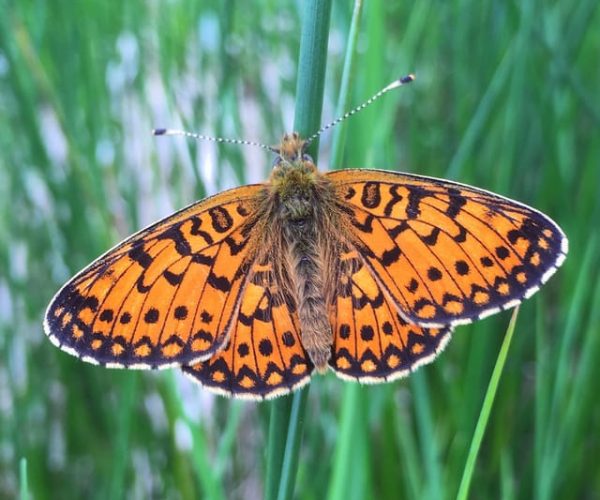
(447, 253)
(164, 296)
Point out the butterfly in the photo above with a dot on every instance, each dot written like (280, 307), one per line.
(362, 272)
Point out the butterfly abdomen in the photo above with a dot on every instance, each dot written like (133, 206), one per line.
(306, 272)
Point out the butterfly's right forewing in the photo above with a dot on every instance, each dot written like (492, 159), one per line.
(168, 294)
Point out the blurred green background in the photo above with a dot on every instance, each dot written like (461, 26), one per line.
(506, 98)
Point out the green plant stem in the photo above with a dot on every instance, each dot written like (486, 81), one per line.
(292, 445)
(342, 465)
(339, 134)
(24, 488)
(432, 489)
(486, 410)
(338, 486)
(285, 426)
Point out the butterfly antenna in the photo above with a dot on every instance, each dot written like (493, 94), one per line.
(395, 84)
(222, 140)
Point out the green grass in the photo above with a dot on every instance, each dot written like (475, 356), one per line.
(505, 98)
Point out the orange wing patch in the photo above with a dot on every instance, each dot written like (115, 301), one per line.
(447, 253)
(264, 357)
(167, 295)
(372, 342)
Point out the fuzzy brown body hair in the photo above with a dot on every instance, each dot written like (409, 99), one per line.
(302, 224)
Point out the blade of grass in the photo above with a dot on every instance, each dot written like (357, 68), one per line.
(339, 134)
(429, 443)
(553, 443)
(341, 467)
(292, 446)
(338, 486)
(123, 422)
(481, 116)
(285, 427)
(486, 410)
(405, 437)
(23, 486)
(207, 471)
(281, 410)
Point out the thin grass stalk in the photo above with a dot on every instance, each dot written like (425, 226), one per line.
(343, 105)
(23, 483)
(338, 486)
(434, 486)
(486, 409)
(287, 413)
(123, 423)
(553, 443)
(206, 470)
(341, 465)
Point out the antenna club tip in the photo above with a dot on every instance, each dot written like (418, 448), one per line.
(408, 78)
(159, 131)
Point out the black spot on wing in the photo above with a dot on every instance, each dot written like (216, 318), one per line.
(140, 287)
(139, 255)
(200, 258)
(395, 198)
(221, 220)
(219, 282)
(395, 231)
(235, 247)
(173, 233)
(457, 201)
(390, 256)
(366, 226)
(371, 194)
(196, 231)
(415, 195)
(432, 237)
(173, 278)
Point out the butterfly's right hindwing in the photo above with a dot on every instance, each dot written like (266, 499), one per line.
(264, 356)
(372, 341)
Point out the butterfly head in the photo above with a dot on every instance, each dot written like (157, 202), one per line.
(292, 160)
(292, 150)
(294, 180)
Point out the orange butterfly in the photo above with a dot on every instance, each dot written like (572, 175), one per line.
(364, 272)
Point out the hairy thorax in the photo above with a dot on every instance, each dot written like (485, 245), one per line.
(302, 212)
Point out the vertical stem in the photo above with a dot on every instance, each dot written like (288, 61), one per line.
(343, 103)
(339, 486)
(486, 410)
(24, 486)
(287, 413)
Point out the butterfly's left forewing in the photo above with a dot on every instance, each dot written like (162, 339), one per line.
(447, 253)
(167, 295)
